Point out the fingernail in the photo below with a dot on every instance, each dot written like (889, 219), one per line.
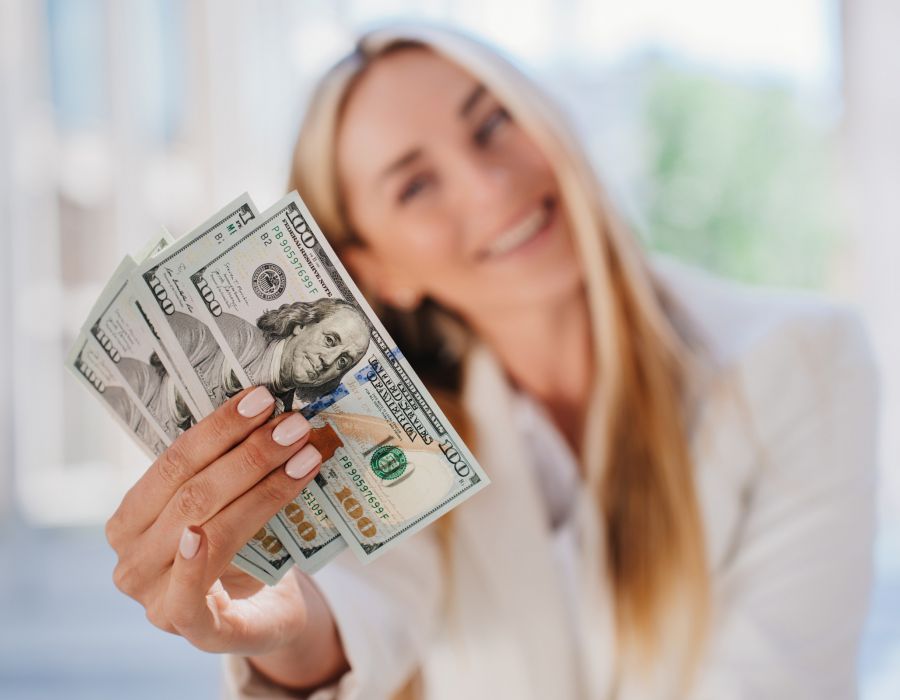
(190, 543)
(255, 402)
(303, 462)
(290, 430)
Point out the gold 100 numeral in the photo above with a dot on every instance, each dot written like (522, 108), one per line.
(306, 531)
(354, 509)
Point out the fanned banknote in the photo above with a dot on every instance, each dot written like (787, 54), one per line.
(286, 314)
(166, 296)
(262, 299)
(176, 313)
(136, 355)
(119, 351)
(90, 365)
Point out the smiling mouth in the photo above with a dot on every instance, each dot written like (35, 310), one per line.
(526, 230)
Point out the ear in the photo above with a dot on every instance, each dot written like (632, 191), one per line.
(387, 282)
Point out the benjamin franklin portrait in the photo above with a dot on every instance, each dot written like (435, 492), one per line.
(301, 350)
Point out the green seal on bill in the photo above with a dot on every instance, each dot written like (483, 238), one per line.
(388, 462)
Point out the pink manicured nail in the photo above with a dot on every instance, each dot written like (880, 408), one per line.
(303, 462)
(190, 543)
(290, 430)
(255, 402)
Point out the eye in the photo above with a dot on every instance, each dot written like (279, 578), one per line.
(343, 361)
(329, 340)
(490, 125)
(412, 188)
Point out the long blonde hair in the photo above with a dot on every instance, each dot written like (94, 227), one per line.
(636, 449)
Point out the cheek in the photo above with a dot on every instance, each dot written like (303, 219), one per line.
(432, 238)
(422, 243)
(299, 357)
(537, 167)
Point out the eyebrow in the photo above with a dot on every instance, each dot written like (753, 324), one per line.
(471, 100)
(401, 162)
(467, 106)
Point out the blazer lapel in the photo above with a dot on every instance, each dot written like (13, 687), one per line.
(504, 532)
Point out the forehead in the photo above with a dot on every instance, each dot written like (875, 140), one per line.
(347, 324)
(400, 101)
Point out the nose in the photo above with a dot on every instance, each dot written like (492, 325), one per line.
(489, 182)
(486, 180)
(328, 356)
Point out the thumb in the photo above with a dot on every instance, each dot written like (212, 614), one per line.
(194, 615)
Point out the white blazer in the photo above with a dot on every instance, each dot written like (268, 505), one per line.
(785, 484)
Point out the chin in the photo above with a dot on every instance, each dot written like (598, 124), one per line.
(552, 290)
(556, 277)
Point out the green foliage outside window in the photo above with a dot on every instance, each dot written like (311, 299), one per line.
(741, 178)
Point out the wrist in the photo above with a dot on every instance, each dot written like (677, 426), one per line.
(307, 652)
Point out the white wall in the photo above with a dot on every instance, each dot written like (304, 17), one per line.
(872, 141)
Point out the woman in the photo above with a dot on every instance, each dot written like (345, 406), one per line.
(681, 497)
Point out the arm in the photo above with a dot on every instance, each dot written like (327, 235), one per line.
(791, 601)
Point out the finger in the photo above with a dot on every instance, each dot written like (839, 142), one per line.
(236, 524)
(151, 553)
(194, 449)
(230, 476)
(192, 605)
(185, 605)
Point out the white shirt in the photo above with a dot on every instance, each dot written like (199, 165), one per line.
(555, 466)
(784, 480)
(557, 474)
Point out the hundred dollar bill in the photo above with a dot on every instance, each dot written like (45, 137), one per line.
(136, 356)
(306, 530)
(90, 365)
(286, 311)
(166, 297)
(264, 557)
(150, 249)
(178, 314)
(124, 338)
(168, 304)
(153, 246)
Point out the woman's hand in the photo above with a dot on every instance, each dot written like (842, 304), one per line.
(177, 530)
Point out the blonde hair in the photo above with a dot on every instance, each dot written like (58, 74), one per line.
(636, 450)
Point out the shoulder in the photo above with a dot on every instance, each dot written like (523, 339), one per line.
(792, 373)
(768, 334)
(792, 411)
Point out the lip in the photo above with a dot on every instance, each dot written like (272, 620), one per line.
(548, 203)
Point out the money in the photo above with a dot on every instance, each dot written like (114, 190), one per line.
(136, 355)
(165, 295)
(124, 352)
(285, 312)
(248, 299)
(305, 529)
(155, 245)
(90, 365)
(264, 557)
(174, 310)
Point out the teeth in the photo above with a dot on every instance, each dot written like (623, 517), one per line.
(519, 234)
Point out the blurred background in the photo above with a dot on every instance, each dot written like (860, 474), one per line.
(760, 140)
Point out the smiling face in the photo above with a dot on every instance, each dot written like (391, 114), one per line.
(320, 352)
(450, 196)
